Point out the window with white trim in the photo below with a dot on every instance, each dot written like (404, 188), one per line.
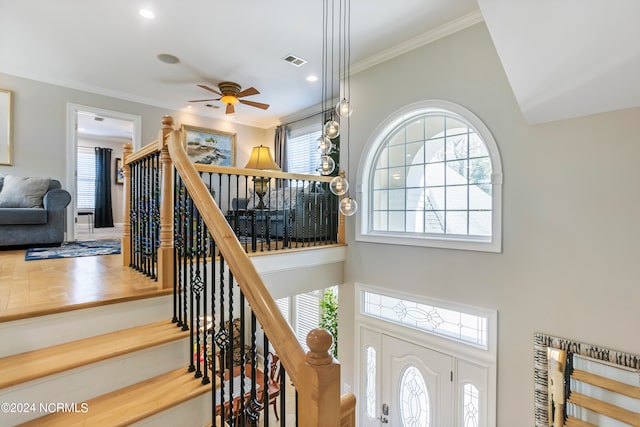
(302, 312)
(302, 153)
(432, 177)
(86, 181)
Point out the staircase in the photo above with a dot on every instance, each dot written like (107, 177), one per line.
(119, 364)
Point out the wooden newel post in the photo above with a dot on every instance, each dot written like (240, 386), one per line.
(165, 251)
(319, 392)
(125, 243)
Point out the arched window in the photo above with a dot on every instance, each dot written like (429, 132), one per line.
(432, 176)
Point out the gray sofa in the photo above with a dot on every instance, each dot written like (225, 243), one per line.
(35, 219)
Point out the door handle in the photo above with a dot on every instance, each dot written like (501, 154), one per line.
(382, 419)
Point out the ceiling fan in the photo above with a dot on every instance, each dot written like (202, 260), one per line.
(230, 93)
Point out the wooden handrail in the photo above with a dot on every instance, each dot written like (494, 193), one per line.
(150, 148)
(348, 410)
(255, 291)
(260, 172)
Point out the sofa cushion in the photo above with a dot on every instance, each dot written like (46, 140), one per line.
(23, 192)
(22, 216)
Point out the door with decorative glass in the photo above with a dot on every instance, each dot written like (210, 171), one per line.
(405, 385)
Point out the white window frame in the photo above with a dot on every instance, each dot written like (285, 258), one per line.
(364, 230)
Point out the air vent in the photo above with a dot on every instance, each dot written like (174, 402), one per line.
(294, 60)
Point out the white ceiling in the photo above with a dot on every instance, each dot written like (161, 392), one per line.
(562, 58)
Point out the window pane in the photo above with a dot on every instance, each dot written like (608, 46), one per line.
(457, 147)
(476, 146)
(434, 222)
(396, 221)
(302, 153)
(396, 155)
(434, 174)
(415, 407)
(457, 172)
(370, 381)
(480, 170)
(480, 223)
(478, 198)
(383, 159)
(457, 197)
(456, 223)
(455, 127)
(435, 150)
(381, 199)
(396, 199)
(396, 177)
(381, 179)
(415, 130)
(307, 315)
(381, 221)
(415, 222)
(415, 153)
(470, 405)
(397, 138)
(435, 126)
(415, 199)
(434, 198)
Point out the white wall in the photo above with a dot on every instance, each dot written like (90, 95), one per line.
(569, 265)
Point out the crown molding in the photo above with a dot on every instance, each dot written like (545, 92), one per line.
(418, 41)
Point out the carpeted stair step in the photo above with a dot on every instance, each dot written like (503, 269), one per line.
(131, 404)
(24, 367)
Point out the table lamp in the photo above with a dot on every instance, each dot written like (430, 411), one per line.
(261, 159)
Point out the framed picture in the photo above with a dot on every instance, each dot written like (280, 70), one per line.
(119, 173)
(210, 147)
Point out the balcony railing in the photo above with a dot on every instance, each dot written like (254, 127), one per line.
(192, 228)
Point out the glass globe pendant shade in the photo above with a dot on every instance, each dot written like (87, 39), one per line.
(332, 129)
(325, 146)
(348, 206)
(343, 108)
(339, 185)
(327, 165)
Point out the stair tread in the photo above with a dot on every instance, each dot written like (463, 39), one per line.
(23, 367)
(130, 404)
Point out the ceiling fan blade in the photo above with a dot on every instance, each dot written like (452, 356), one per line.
(248, 92)
(230, 109)
(255, 104)
(205, 87)
(205, 100)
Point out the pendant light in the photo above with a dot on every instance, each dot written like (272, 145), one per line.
(332, 126)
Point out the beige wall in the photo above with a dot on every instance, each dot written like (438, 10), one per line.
(569, 265)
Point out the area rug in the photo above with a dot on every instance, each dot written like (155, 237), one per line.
(75, 249)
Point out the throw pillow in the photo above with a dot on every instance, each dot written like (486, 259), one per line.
(23, 192)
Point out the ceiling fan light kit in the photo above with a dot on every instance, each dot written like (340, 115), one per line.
(230, 94)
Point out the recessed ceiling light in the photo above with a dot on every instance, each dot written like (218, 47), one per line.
(312, 78)
(167, 58)
(146, 13)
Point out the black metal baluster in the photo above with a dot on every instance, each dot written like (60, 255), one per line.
(196, 289)
(177, 247)
(190, 256)
(265, 386)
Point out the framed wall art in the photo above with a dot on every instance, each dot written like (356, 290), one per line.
(209, 146)
(119, 173)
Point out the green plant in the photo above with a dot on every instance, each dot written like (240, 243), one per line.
(329, 316)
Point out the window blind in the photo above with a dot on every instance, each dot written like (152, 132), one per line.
(86, 179)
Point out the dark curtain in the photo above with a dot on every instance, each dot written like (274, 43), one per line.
(103, 216)
(280, 146)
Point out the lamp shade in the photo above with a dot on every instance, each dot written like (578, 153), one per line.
(261, 159)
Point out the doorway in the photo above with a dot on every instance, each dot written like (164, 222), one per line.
(88, 128)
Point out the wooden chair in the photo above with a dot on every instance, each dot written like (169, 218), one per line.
(273, 385)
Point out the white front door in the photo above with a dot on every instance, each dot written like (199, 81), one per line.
(406, 385)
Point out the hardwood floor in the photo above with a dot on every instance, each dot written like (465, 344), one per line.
(48, 286)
